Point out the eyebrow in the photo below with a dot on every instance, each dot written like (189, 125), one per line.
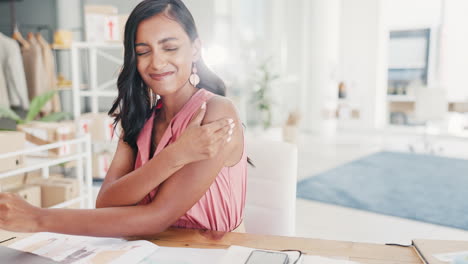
(162, 41)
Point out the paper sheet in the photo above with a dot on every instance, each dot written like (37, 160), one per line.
(171, 255)
(238, 255)
(69, 249)
(449, 257)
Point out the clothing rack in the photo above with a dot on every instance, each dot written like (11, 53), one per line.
(26, 28)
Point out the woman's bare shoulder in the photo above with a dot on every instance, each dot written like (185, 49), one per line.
(219, 107)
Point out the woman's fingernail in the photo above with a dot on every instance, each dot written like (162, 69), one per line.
(229, 139)
(230, 131)
(230, 121)
(203, 106)
(232, 126)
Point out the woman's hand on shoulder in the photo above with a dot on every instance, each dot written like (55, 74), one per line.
(220, 107)
(208, 132)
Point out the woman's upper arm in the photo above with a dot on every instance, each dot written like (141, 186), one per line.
(122, 163)
(185, 187)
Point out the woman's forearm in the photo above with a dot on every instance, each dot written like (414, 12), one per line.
(131, 188)
(104, 222)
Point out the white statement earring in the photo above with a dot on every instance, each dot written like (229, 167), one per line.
(194, 78)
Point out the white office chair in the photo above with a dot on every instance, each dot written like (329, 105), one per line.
(431, 110)
(431, 105)
(271, 188)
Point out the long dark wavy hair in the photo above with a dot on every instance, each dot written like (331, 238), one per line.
(134, 101)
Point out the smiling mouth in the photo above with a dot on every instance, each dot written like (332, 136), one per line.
(162, 76)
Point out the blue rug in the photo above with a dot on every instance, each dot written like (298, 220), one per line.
(425, 188)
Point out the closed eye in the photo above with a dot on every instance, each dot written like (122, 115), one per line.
(141, 53)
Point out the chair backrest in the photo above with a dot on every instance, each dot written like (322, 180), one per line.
(271, 188)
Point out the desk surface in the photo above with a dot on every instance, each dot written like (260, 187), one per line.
(430, 247)
(360, 252)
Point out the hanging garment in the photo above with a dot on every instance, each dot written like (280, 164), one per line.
(13, 70)
(4, 100)
(49, 67)
(34, 70)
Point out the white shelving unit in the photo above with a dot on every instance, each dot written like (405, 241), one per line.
(82, 156)
(401, 98)
(95, 90)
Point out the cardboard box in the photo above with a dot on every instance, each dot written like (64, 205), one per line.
(99, 125)
(11, 141)
(19, 180)
(36, 176)
(57, 190)
(41, 133)
(102, 23)
(12, 182)
(101, 164)
(30, 193)
(28, 178)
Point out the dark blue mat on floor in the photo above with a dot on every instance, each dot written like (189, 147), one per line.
(425, 188)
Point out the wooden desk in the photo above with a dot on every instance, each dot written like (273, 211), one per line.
(428, 248)
(360, 252)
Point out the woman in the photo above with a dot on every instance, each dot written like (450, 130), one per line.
(180, 161)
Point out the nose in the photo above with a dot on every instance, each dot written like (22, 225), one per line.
(158, 62)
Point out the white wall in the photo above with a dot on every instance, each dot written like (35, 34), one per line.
(363, 52)
(322, 30)
(249, 32)
(204, 14)
(124, 6)
(448, 58)
(455, 51)
(404, 14)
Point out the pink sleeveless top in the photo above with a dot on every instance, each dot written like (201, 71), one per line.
(222, 206)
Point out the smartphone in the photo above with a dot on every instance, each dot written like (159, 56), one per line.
(267, 257)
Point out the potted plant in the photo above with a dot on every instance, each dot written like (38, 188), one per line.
(36, 105)
(261, 95)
